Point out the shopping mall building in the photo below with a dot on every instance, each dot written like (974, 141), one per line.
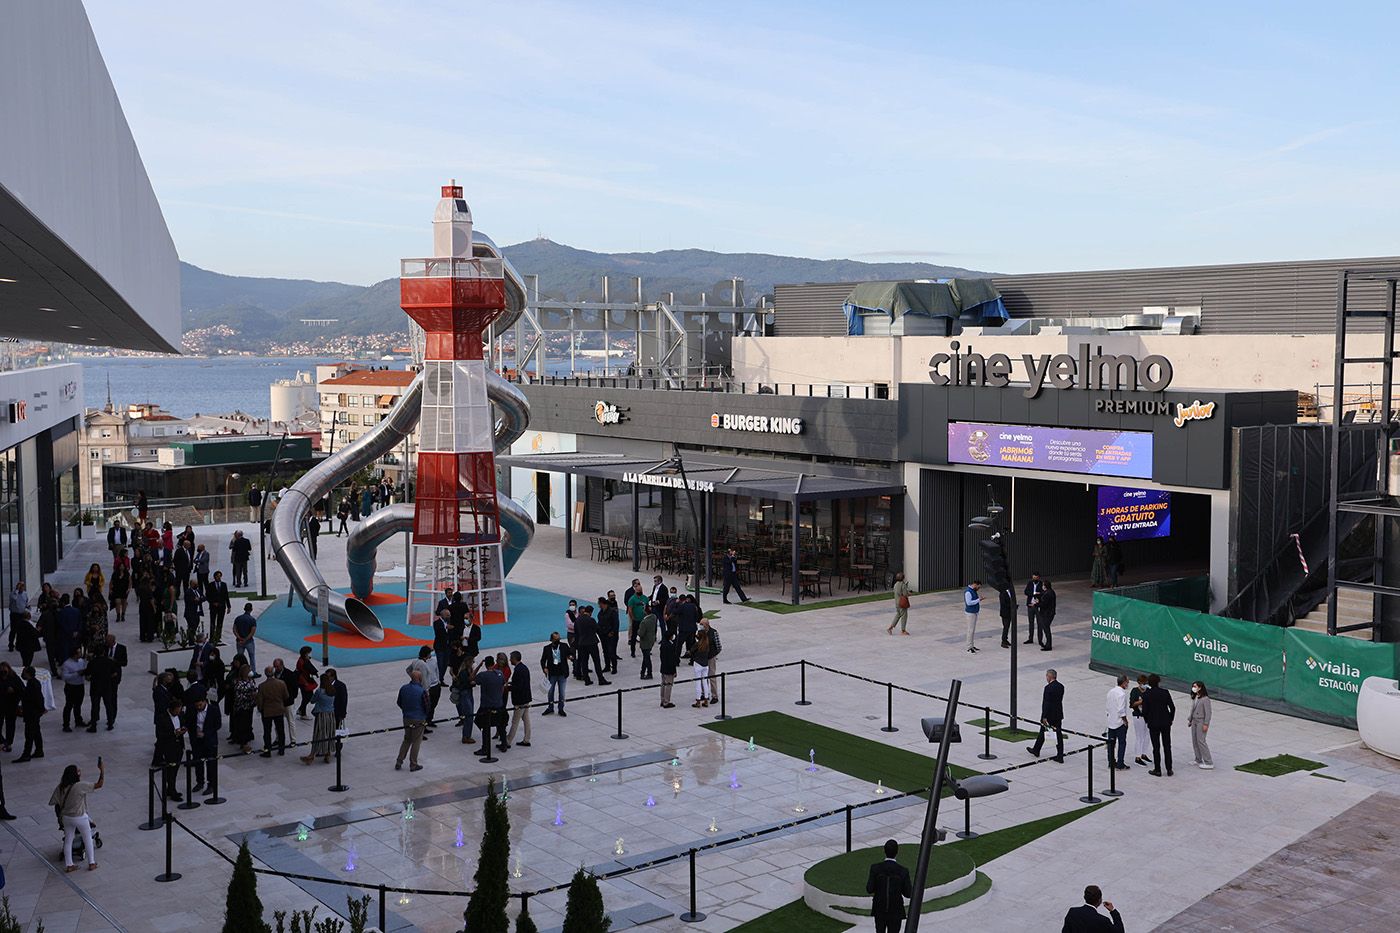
(85, 259)
(1159, 406)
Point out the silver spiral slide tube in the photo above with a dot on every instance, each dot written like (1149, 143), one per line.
(349, 612)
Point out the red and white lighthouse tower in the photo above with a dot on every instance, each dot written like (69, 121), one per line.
(454, 297)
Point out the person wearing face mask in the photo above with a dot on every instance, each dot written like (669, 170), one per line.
(1142, 744)
(1199, 721)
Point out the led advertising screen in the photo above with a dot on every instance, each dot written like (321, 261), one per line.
(1067, 450)
(1134, 513)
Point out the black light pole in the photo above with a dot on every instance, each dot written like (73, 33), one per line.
(262, 516)
(943, 732)
(997, 569)
(694, 517)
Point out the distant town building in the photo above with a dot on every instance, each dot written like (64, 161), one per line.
(133, 435)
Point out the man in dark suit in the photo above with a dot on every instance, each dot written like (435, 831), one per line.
(342, 697)
(1006, 597)
(170, 746)
(104, 674)
(888, 884)
(731, 577)
(219, 606)
(1052, 716)
(203, 722)
(586, 635)
(1086, 917)
(1033, 590)
(32, 708)
(1045, 614)
(1159, 711)
(660, 592)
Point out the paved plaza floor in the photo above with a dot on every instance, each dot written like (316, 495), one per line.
(1158, 850)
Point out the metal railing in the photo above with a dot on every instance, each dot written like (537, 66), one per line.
(167, 820)
(709, 384)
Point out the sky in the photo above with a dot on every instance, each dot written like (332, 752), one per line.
(308, 139)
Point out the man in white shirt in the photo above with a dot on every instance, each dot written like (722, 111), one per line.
(74, 687)
(1117, 712)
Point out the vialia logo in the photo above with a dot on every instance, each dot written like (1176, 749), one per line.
(1335, 669)
(1205, 644)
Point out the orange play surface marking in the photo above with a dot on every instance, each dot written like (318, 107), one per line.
(393, 638)
(382, 599)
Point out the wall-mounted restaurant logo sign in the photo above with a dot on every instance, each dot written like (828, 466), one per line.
(608, 413)
(668, 480)
(760, 424)
(1196, 411)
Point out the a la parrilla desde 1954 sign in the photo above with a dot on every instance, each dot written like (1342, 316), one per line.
(669, 481)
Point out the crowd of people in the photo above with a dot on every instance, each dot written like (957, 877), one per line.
(492, 694)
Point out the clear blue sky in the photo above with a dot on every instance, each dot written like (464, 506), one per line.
(308, 138)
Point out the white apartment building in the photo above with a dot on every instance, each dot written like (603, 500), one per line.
(353, 400)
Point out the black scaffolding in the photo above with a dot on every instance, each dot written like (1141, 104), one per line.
(1357, 301)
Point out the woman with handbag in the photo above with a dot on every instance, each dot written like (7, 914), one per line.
(323, 733)
(901, 606)
(700, 665)
(69, 801)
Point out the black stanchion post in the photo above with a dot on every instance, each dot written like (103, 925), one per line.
(693, 915)
(723, 699)
(848, 827)
(212, 770)
(804, 701)
(889, 725)
(1113, 790)
(170, 875)
(986, 734)
(620, 734)
(967, 832)
(151, 822)
(190, 803)
(339, 787)
(1089, 797)
(383, 918)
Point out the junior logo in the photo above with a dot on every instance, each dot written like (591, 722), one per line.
(1196, 411)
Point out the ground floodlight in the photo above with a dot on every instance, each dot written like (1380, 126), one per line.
(980, 785)
(933, 728)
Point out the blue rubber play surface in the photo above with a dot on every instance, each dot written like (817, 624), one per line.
(532, 615)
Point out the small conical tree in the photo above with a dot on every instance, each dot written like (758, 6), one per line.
(584, 913)
(486, 910)
(243, 911)
(523, 922)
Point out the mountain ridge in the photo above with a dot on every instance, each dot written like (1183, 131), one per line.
(249, 312)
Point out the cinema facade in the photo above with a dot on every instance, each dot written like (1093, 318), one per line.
(1159, 406)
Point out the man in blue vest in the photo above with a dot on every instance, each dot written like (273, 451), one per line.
(972, 604)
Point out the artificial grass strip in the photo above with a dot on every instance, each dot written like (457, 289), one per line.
(782, 608)
(982, 723)
(862, 758)
(980, 886)
(791, 918)
(1328, 777)
(1279, 765)
(847, 873)
(995, 844)
(1017, 735)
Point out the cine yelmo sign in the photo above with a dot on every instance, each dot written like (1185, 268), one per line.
(1307, 670)
(668, 481)
(1115, 373)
